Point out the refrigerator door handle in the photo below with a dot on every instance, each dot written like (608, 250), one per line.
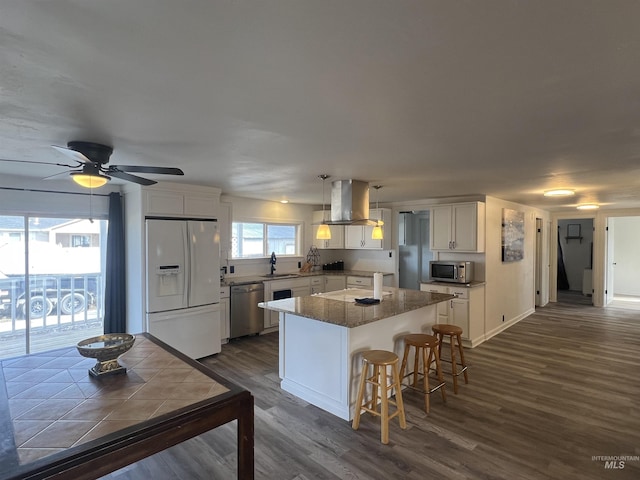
(187, 258)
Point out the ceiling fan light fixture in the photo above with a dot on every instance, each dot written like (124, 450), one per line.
(588, 206)
(559, 192)
(89, 180)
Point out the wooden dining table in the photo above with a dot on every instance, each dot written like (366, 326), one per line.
(58, 421)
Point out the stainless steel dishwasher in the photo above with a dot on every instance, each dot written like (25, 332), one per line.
(246, 317)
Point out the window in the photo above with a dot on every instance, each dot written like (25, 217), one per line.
(58, 301)
(255, 240)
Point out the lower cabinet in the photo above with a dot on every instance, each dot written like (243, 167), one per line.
(465, 311)
(317, 285)
(442, 308)
(334, 282)
(225, 314)
(359, 282)
(300, 287)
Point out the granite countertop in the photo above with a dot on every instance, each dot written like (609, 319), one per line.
(230, 281)
(339, 307)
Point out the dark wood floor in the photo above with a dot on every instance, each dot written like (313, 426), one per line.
(544, 398)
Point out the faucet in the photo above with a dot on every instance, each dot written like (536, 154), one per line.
(273, 262)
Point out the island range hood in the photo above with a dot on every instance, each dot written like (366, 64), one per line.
(350, 203)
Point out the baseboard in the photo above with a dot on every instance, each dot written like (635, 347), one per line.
(507, 324)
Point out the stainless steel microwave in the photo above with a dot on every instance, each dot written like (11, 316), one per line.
(451, 271)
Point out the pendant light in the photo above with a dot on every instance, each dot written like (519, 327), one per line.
(377, 233)
(324, 232)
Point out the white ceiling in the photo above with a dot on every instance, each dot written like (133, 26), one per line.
(258, 97)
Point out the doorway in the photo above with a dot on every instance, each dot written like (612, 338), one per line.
(575, 261)
(414, 254)
(623, 263)
(51, 282)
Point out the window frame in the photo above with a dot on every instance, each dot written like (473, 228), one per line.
(266, 253)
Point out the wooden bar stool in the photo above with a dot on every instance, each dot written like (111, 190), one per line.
(426, 347)
(455, 343)
(381, 383)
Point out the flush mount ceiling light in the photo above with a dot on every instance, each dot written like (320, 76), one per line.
(559, 192)
(588, 206)
(324, 232)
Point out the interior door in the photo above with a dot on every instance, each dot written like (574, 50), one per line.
(610, 261)
(538, 262)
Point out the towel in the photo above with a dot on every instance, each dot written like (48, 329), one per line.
(367, 301)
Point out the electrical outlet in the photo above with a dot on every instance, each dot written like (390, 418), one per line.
(390, 254)
(299, 264)
(232, 269)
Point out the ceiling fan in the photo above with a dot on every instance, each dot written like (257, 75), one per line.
(92, 170)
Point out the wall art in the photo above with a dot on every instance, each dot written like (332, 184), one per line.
(512, 235)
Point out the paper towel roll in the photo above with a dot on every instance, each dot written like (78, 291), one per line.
(377, 286)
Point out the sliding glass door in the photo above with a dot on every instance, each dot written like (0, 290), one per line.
(51, 282)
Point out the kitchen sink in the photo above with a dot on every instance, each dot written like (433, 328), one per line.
(279, 275)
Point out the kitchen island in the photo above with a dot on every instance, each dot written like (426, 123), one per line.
(322, 337)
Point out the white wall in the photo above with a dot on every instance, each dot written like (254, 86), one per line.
(626, 279)
(510, 287)
(248, 210)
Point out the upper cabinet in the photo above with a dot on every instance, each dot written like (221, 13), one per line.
(337, 233)
(167, 202)
(458, 227)
(358, 236)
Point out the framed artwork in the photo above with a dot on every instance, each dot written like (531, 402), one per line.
(512, 235)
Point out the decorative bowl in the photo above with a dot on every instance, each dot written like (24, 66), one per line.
(106, 349)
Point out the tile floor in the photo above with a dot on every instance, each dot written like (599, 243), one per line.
(55, 404)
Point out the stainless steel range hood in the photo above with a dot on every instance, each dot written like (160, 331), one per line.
(350, 203)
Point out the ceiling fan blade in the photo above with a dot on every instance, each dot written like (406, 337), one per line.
(77, 156)
(55, 175)
(145, 169)
(130, 178)
(39, 163)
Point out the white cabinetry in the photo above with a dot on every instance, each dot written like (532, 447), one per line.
(300, 287)
(317, 284)
(224, 227)
(359, 236)
(359, 282)
(442, 308)
(334, 282)
(161, 202)
(164, 199)
(458, 227)
(337, 233)
(225, 316)
(466, 310)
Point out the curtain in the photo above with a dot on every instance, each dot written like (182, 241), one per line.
(115, 303)
(563, 281)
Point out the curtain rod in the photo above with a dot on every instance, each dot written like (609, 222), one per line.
(56, 191)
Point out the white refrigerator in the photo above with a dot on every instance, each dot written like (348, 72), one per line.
(183, 284)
